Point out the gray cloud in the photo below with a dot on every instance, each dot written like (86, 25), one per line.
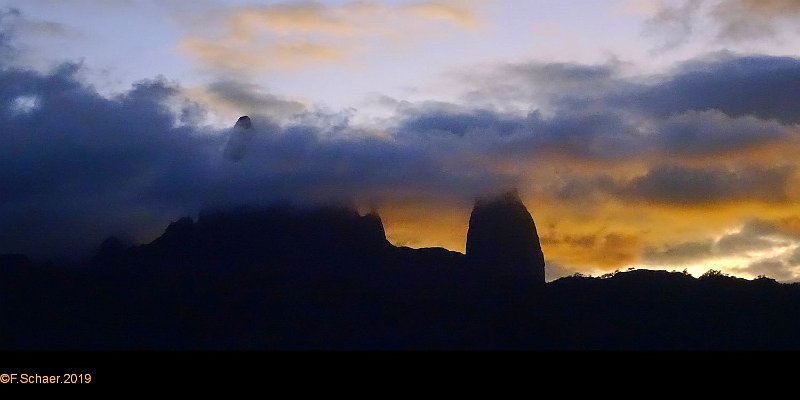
(713, 133)
(754, 19)
(760, 86)
(717, 105)
(6, 33)
(14, 24)
(556, 271)
(757, 235)
(721, 105)
(733, 20)
(680, 185)
(688, 252)
(772, 268)
(579, 188)
(602, 136)
(249, 98)
(764, 87)
(675, 23)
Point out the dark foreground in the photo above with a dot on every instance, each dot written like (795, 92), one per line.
(328, 279)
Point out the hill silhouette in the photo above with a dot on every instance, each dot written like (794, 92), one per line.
(285, 277)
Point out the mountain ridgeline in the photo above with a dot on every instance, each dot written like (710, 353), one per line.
(292, 278)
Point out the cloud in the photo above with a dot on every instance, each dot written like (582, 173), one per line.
(689, 252)
(289, 18)
(682, 186)
(761, 86)
(766, 236)
(6, 51)
(675, 23)
(13, 20)
(772, 268)
(710, 133)
(603, 251)
(238, 97)
(765, 247)
(639, 7)
(606, 158)
(76, 167)
(554, 271)
(453, 12)
(730, 20)
(756, 235)
(447, 119)
(286, 55)
(648, 157)
(754, 19)
(293, 35)
(712, 106)
(108, 3)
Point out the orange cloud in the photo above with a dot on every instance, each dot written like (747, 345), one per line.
(284, 55)
(456, 13)
(291, 18)
(304, 34)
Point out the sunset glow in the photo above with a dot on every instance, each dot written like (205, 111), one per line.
(640, 133)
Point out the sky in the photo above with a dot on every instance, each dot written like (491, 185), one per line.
(640, 133)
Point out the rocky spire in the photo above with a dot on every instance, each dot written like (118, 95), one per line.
(236, 148)
(244, 123)
(502, 238)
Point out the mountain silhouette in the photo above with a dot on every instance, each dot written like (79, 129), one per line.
(285, 277)
(502, 237)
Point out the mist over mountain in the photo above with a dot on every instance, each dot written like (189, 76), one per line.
(294, 277)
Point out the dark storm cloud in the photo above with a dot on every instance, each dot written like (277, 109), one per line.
(710, 133)
(718, 106)
(75, 164)
(721, 104)
(76, 167)
(761, 86)
(456, 122)
(587, 135)
(689, 186)
(606, 135)
(765, 87)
